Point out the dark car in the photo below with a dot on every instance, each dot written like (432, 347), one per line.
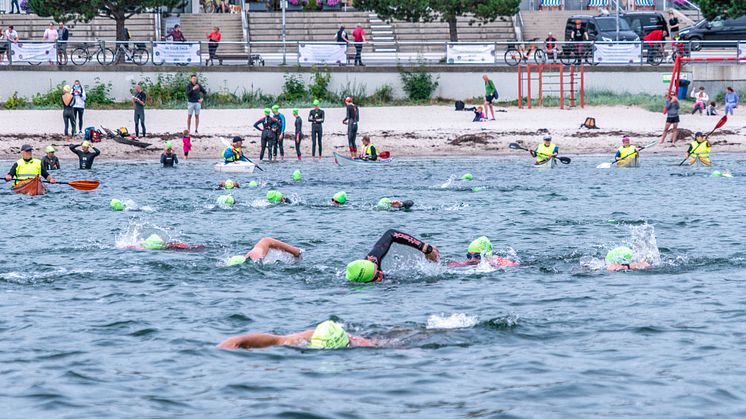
(601, 28)
(642, 23)
(716, 30)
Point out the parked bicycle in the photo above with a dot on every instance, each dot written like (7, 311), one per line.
(514, 56)
(577, 54)
(138, 55)
(82, 54)
(654, 54)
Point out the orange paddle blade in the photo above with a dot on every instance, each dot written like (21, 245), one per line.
(384, 155)
(84, 185)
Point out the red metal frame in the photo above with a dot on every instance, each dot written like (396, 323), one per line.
(540, 68)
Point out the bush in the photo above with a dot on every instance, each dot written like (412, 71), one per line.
(99, 94)
(418, 83)
(354, 90)
(383, 95)
(319, 88)
(293, 88)
(224, 98)
(15, 102)
(311, 6)
(52, 98)
(255, 98)
(168, 89)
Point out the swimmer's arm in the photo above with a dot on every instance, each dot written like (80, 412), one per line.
(264, 245)
(252, 340)
(362, 342)
(431, 252)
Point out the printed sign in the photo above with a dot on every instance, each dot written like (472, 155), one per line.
(470, 54)
(176, 53)
(34, 53)
(322, 54)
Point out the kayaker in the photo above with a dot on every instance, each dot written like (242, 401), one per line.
(262, 248)
(27, 167)
(234, 152)
(622, 259)
(388, 204)
(316, 118)
(352, 118)
(327, 335)
(298, 131)
(168, 157)
(156, 242)
(627, 154)
(228, 184)
(86, 154)
(369, 269)
(50, 161)
(545, 152)
(369, 150)
(269, 129)
(339, 198)
(699, 148)
(280, 133)
(276, 197)
(482, 246)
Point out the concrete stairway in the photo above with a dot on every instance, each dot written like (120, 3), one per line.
(302, 26)
(500, 30)
(31, 27)
(536, 24)
(381, 32)
(197, 26)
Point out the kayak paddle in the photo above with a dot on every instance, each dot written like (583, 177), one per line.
(607, 165)
(227, 144)
(720, 123)
(516, 146)
(81, 185)
(384, 154)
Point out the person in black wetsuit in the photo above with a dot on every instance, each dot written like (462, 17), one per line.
(168, 157)
(369, 269)
(316, 118)
(85, 155)
(351, 120)
(269, 128)
(50, 161)
(298, 131)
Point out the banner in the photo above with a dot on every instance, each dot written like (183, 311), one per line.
(617, 53)
(322, 54)
(741, 51)
(470, 54)
(34, 53)
(176, 53)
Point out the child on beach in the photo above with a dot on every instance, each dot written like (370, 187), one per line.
(479, 115)
(711, 111)
(187, 141)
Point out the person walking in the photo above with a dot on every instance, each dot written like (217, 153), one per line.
(213, 39)
(358, 35)
(139, 101)
(195, 96)
(79, 97)
(316, 118)
(351, 120)
(68, 115)
(672, 119)
(298, 131)
(342, 38)
(490, 94)
(731, 100)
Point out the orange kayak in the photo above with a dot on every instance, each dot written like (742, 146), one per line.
(33, 186)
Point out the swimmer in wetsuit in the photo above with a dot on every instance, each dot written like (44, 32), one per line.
(482, 246)
(369, 269)
(327, 335)
(389, 204)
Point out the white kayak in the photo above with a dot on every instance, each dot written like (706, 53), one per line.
(235, 167)
(347, 161)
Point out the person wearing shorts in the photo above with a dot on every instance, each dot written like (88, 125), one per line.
(195, 96)
(490, 94)
(672, 119)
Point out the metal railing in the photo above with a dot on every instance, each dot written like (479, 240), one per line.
(141, 53)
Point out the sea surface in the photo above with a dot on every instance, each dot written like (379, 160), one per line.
(91, 327)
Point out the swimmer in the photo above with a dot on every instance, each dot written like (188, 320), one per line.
(483, 246)
(621, 259)
(156, 242)
(339, 198)
(327, 335)
(262, 248)
(276, 197)
(228, 184)
(369, 269)
(389, 204)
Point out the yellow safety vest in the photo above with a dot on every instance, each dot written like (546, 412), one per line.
(27, 169)
(543, 152)
(700, 149)
(236, 155)
(627, 151)
(368, 151)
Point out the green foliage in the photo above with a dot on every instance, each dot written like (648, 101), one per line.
(382, 95)
(15, 102)
(418, 83)
(168, 90)
(293, 88)
(256, 99)
(723, 8)
(99, 94)
(311, 6)
(52, 98)
(357, 92)
(319, 88)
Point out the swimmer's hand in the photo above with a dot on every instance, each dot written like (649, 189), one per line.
(433, 256)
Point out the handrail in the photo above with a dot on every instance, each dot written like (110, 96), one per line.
(518, 26)
(245, 25)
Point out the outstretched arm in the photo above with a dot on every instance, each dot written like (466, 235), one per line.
(381, 248)
(264, 340)
(264, 245)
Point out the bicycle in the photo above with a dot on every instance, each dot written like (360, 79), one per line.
(138, 55)
(655, 54)
(576, 54)
(81, 54)
(514, 56)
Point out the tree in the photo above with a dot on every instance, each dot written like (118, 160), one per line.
(86, 10)
(443, 10)
(725, 8)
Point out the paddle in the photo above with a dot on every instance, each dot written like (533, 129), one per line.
(516, 146)
(81, 185)
(227, 144)
(720, 123)
(384, 154)
(607, 165)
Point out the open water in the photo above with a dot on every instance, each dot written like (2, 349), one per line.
(92, 328)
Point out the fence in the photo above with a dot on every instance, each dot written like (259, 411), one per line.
(315, 53)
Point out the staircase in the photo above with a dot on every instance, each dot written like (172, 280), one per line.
(537, 24)
(197, 26)
(31, 27)
(468, 31)
(381, 31)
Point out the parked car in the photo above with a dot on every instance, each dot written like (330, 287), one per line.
(601, 28)
(642, 23)
(716, 30)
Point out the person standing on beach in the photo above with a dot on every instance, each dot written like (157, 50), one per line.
(85, 155)
(195, 96)
(351, 120)
(269, 127)
(672, 119)
(186, 142)
(139, 100)
(490, 94)
(298, 131)
(316, 118)
(68, 115)
(79, 97)
(280, 133)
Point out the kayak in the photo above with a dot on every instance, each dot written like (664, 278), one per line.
(32, 187)
(700, 161)
(235, 167)
(544, 165)
(347, 161)
(630, 163)
(132, 142)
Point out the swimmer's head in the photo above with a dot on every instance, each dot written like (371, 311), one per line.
(228, 184)
(329, 335)
(467, 176)
(621, 255)
(316, 102)
(85, 144)
(340, 198)
(717, 173)
(275, 108)
(274, 197)
(169, 145)
(480, 246)
(116, 205)
(361, 270)
(297, 175)
(154, 242)
(267, 111)
(253, 184)
(49, 149)
(226, 200)
(296, 111)
(384, 203)
(236, 260)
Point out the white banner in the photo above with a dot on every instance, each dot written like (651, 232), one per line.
(470, 54)
(34, 53)
(176, 53)
(617, 53)
(322, 54)
(741, 51)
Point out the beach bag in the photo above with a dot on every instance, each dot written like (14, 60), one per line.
(460, 105)
(123, 132)
(589, 123)
(96, 136)
(87, 133)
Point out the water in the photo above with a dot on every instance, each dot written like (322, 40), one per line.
(91, 328)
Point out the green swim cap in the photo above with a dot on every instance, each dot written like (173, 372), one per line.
(477, 188)
(481, 245)
(154, 242)
(329, 335)
(360, 270)
(384, 203)
(86, 144)
(253, 184)
(296, 111)
(467, 176)
(236, 260)
(116, 205)
(226, 200)
(621, 255)
(169, 144)
(717, 173)
(340, 197)
(49, 149)
(274, 197)
(228, 184)
(296, 175)
(267, 111)
(316, 102)
(275, 108)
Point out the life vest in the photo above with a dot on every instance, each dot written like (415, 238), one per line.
(235, 157)
(627, 151)
(368, 151)
(700, 149)
(27, 169)
(543, 152)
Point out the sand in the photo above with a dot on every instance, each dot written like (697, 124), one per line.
(404, 131)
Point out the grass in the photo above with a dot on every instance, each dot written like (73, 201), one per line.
(651, 103)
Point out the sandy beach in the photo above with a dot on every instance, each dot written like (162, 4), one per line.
(405, 131)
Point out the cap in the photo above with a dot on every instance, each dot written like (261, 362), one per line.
(27, 147)
(698, 134)
(275, 108)
(228, 184)
(717, 173)
(169, 144)
(274, 197)
(237, 139)
(547, 138)
(481, 245)
(253, 184)
(316, 102)
(267, 111)
(116, 205)
(296, 111)
(297, 175)
(49, 149)
(340, 197)
(348, 99)
(154, 242)
(236, 260)
(360, 270)
(85, 144)
(384, 203)
(329, 335)
(621, 254)
(226, 200)
(578, 21)
(467, 176)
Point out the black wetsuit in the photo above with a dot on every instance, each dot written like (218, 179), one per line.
(269, 129)
(85, 159)
(298, 134)
(316, 118)
(382, 246)
(50, 164)
(169, 160)
(352, 118)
